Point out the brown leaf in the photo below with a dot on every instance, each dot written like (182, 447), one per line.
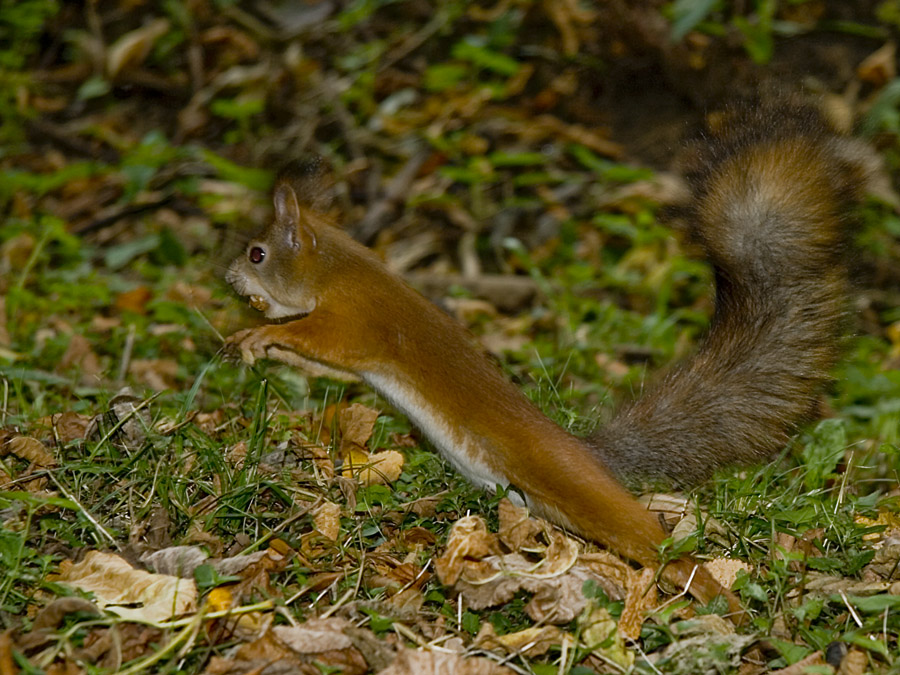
(641, 599)
(854, 663)
(472, 566)
(70, 426)
(356, 423)
(306, 646)
(236, 455)
(725, 570)
(355, 459)
(179, 561)
(315, 636)
(416, 538)
(15, 252)
(29, 449)
(824, 584)
(134, 300)
(189, 294)
(408, 601)
(158, 374)
(319, 455)
(264, 656)
(133, 48)
(879, 67)
(5, 340)
(799, 668)
(79, 354)
(125, 422)
(327, 520)
(52, 616)
(469, 539)
(516, 529)
(7, 662)
(425, 507)
(531, 642)
(255, 576)
(412, 662)
(128, 592)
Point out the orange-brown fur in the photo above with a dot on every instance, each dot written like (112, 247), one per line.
(765, 204)
(367, 321)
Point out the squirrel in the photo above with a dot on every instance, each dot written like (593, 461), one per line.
(769, 202)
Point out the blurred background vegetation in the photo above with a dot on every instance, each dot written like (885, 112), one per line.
(510, 158)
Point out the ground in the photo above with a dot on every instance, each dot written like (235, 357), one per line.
(165, 510)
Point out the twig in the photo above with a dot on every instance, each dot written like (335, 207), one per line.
(126, 353)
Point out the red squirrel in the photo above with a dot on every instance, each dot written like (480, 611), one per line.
(768, 205)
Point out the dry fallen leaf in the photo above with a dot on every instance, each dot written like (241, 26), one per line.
(5, 339)
(132, 49)
(355, 459)
(517, 530)
(125, 422)
(469, 539)
(888, 520)
(134, 300)
(158, 374)
(80, 355)
(531, 642)
(484, 579)
(801, 666)
(128, 592)
(640, 600)
(179, 561)
(70, 426)
(34, 452)
(879, 67)
(382, 468)
(825, 584)
(413, 662)
(600, 634)
(356, 423)
(725, 570)
(855, 662)
(327, 520)
(29, 449)
(304, 649)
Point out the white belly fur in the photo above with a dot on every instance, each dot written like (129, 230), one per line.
(454, 443)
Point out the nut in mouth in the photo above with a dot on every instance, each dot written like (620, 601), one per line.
(259, 303)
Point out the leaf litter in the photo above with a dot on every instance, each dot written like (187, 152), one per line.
(431, 158)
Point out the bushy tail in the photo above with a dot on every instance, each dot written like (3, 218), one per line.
(770, 210)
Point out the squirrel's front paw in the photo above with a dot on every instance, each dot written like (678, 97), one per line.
(246, 345)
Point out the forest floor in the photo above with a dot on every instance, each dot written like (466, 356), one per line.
(164, 510)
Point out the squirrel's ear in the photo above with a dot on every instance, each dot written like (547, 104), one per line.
(287, 209)
(289, 216)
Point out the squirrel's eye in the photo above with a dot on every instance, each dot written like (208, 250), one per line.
(256, 254)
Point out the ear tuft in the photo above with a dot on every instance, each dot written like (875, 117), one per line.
(311, 181)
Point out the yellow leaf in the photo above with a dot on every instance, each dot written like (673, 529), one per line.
(354, 460)
(383, 467)
(219, 599)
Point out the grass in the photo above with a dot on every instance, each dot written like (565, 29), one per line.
(173, 462)
(111, 276)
